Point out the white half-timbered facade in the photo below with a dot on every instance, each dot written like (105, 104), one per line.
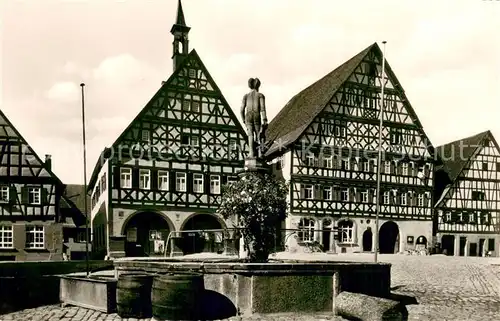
(165, 172)
(468, 187)
(326, 138)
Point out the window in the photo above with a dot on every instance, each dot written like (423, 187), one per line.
(491, 244)
(233, 144)
(387, 197)
(198, 183)
(192, 73)
(180, 182)
(144, 179)
(327, 193)
(34, 196)
(447, 217)
(366, 166)
(472, 217)
(387, 169)
(485, 166)
(310, 160)
(126, 177)
(340, 131)
(231, 179)
(186, 105)
(478, 196)
(6, 237)
(185, 139)
(405, 168)
(346, 232)
(4, 194)
(404, 199)
(35, 237)
(345, 164)
(145, 135)
(328, 162)
(163, 180)
(195, 106)
(364, 196)
(344, 195)
(215, 184)
(420, 200)
(308, 191)
(195, 141)
(396, 136)
(306, 230)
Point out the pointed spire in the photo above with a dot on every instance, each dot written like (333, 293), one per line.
(180, 15)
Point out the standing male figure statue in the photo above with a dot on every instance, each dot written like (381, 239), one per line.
(253, 112)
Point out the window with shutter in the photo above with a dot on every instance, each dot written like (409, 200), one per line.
(135, 178)
(154, 179)
(44, 196)
(13, 195)
(116, 177)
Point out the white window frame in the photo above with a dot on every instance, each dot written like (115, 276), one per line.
(404, 198)
(448, 216)
(328, 191)
(387, 167)
(420, 200)
(364, 196)
(346, 233)
(198, 183)
(306, 230)
(34, 195)
(366, 166)
(186, 105)
(144, 179)
(126, 177)
(344, 191)
(387, 198)
(328, 162)
(6, 237)
(345, 165)
(192, 73)
(195, 106)
(4, 194)
(405, 169)
(214, 184)
(163, 181)
(308, 189)
(38, 237)
(180, 182)
(310, 160)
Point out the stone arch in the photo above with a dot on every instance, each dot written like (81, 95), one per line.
(202, 241)
(146, 233)
(389, 238)
(422, 241)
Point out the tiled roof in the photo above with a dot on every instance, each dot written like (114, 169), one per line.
(456, 154)
(303, 108)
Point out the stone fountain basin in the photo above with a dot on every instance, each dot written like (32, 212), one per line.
(279, 286)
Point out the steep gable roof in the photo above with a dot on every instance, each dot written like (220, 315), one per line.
(190, 58)
(304, 107)
(8, 133)
(455, 155)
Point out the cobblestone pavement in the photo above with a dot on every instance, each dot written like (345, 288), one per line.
(446, 288)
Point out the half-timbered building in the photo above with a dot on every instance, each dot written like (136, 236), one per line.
(164, 173)
(326, 140)
(468, 196)
(30, 198)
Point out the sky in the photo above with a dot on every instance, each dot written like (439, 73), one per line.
(446, 55)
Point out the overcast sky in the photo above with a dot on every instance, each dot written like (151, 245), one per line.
(446, 54)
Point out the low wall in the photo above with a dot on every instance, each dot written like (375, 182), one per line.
(31, 284)
(276, 287)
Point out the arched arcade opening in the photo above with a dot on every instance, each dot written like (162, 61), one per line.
(146, 234)
(367, 240)
(198, 234)
(389, 238)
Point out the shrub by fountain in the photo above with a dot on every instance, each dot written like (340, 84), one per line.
(258, 201)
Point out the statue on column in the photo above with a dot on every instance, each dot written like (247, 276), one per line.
(253, 112)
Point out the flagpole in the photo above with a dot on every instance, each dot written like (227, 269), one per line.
(379, 158)
(85, 184)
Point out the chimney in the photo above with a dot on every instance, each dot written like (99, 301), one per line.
(48, 162)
